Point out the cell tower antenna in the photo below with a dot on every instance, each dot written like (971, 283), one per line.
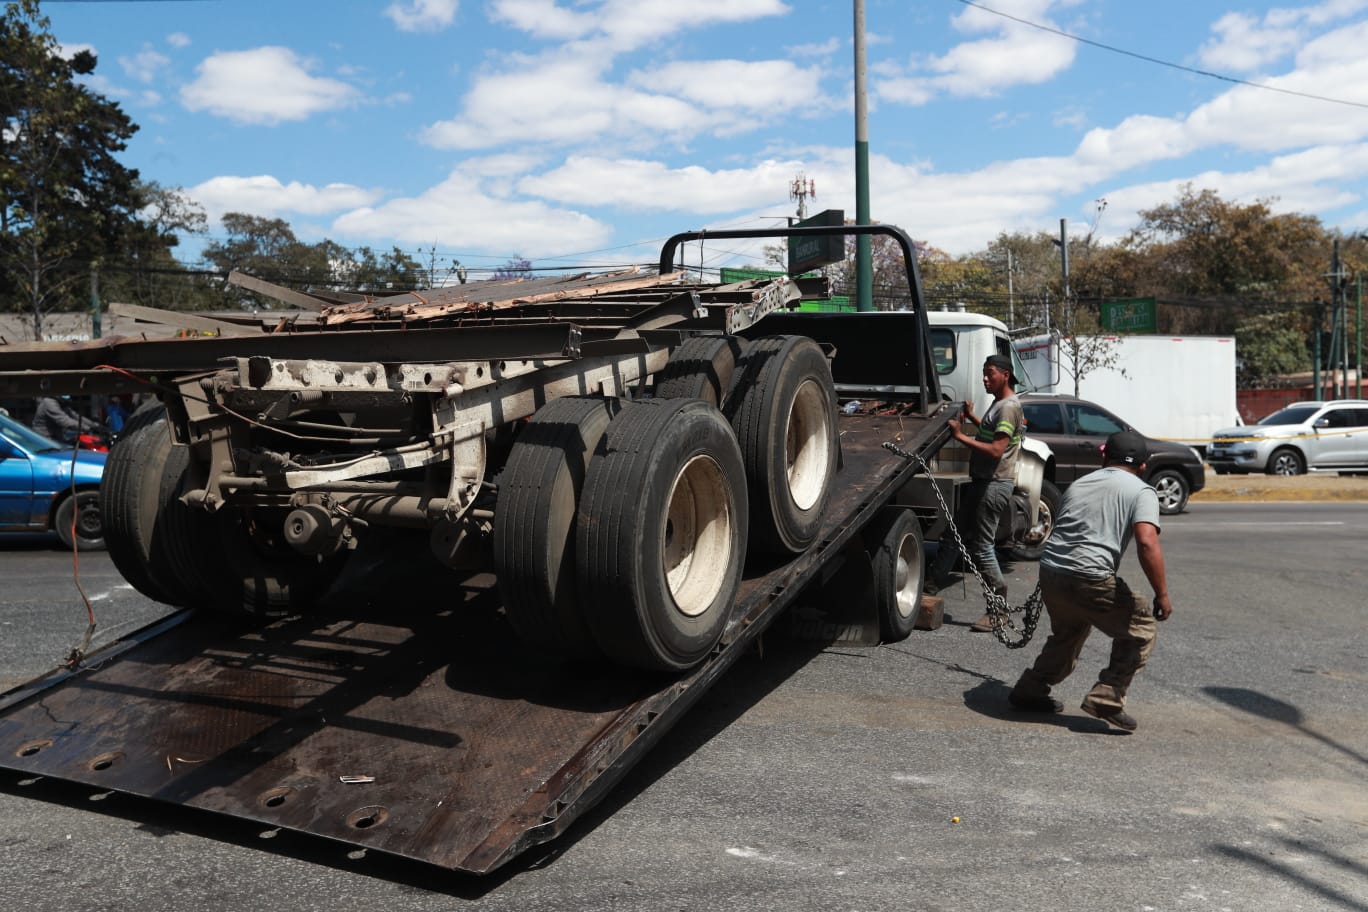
(800, 189)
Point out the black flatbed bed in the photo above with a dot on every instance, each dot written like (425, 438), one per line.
(383, 724)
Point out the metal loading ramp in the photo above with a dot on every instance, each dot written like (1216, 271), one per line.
(403, 726)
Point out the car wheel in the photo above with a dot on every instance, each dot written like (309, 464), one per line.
(77, 522)
(1286, 461)
(1172, 489)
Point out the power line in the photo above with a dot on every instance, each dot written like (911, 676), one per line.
(1166, 63)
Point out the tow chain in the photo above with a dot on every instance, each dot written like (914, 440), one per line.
(999, 610)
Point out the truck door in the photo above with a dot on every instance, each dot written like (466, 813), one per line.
(1341, 438)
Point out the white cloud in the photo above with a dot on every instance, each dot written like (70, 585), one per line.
(744, 85)
(543, 18)
(178, 40)
(459, 213)
(825, 49)
(567, 99)
(1013, 54)
(144, 65)
(266, 196)
(422, 15)
(1245, 44)
(561, 99)
(654, 186)
(1304, 182)
(623, 25)
(266, 85)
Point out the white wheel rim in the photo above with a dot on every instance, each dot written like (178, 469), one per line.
(1168, 492)
(807, 445)
(908, 576)
(698, 536)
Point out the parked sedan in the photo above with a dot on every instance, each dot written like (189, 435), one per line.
(1076, 429)
(36, 491)
(1306, 436)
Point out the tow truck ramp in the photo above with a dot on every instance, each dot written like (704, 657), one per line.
(423, 730)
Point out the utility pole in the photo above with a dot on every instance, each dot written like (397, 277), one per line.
(1011, 298)
(1339, 327)
(95, 320)
(1316, 350)
(1064, 256)
(864, 258)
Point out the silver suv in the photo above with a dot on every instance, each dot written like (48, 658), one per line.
(1303, 437)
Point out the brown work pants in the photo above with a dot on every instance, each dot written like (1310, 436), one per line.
(1076, 606)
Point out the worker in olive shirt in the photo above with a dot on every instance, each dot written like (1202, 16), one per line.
(1100, 514)
(992, 477)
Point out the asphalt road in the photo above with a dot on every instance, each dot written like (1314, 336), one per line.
(818, 778)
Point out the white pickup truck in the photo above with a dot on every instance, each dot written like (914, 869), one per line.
(1304, 437)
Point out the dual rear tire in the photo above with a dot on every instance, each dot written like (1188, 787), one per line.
(620, 530)
(622, 527)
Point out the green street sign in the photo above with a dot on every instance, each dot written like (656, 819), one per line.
(810, 252)
(1131, 315)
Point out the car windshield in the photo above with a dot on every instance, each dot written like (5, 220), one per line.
(26, 437)
(1294, 414)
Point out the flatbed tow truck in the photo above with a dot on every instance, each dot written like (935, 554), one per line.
(459, 727)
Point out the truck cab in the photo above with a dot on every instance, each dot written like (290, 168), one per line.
(961, 342)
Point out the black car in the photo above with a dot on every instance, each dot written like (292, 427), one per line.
(1076, 429)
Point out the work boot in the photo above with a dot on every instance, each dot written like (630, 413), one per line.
(986, 624)
(1034, 704)
(1118, 717)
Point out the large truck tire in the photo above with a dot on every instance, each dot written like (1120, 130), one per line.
(893, 540)
(534, 523)
(238, 562)
(783, 408)
(136, 492)
(700, 368)
(661, 534)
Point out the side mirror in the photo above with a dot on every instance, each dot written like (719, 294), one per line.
(1321, 423)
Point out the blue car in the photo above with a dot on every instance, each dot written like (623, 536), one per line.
(36, 491)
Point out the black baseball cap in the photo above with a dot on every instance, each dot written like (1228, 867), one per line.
(1002, 363)
(1126, 448)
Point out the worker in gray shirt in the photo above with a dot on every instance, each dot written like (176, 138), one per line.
(1100, 514)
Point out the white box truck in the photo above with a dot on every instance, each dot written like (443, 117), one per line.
(1178, 388)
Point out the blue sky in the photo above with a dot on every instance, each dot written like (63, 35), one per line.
(586, 131)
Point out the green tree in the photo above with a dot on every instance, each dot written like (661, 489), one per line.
(1269, 347)
(67, 200)
(144, 271)
(268, 249)
(1212, 262)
